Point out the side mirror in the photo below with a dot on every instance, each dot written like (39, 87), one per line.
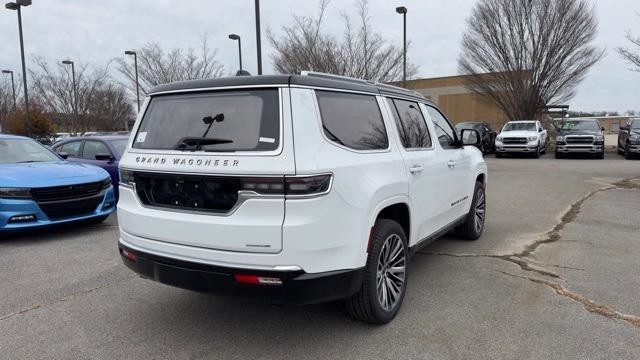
(625, 128)
(602, 128)
(540, 130)
(470, 137)
(104, 157)
(63, 155)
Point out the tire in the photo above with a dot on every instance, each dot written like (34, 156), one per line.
(473, 225)
(544, 149)
(559, 155)
(620, 151)
(369, 303)
(498, 155)
(537, 153)
(600, 155)
(627, 152)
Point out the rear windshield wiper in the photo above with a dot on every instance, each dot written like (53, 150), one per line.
(196, 143)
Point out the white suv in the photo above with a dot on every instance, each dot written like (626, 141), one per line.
(296, 188)
(525, 137)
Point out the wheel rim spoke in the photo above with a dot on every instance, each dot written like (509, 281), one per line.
(391, 271)
(480, 210)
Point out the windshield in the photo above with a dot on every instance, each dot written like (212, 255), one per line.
(635, 124)
(120, 145)
(573, 125)
(24, 151)
(520, 126)
(212, 121)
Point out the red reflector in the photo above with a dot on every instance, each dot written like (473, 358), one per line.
(129, 255)
(258, 280)
(247, 279)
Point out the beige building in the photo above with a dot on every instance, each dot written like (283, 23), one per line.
(457, 102)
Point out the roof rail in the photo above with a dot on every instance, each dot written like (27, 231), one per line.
(398, 89)
(335, 77)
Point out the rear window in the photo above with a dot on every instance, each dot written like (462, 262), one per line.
(352, 120)
(212, 121)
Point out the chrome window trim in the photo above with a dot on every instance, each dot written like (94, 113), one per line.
(276, 152)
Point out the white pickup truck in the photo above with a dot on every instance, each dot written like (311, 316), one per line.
(524, 137)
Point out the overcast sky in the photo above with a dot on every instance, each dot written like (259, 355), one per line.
(95, 31)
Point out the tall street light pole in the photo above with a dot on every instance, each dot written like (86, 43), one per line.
(403, 10)
(258, 40)
(17, 5)
(135, 64)
(13, 87)
(237, 37)
(75, 89)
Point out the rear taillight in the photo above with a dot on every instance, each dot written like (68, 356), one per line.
(126, 178)
(308, 185)
(264, 185)
(293, 186)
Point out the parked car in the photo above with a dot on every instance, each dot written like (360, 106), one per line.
(487, 135)
(629, 138)
(102, 151)
(522, 137)
(580, 136)
(297, 188)
(38, 188)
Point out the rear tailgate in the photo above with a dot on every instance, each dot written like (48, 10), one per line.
(210, 199)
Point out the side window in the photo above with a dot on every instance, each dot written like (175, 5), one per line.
(352, 120)
(91, 148)
(444, 131)
(72, 149)
(412, 128)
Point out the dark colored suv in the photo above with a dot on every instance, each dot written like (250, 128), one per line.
(629, 138)
(580, 136)
(487, 135)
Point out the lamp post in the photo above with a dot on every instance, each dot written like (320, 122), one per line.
(403, 11)
(75, 91)
(17, 5)
(13, 87)
(237, 37)
(135, 64)
(258, 40)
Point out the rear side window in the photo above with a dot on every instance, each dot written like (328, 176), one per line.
(92, 148)
(227, 121)
(72, 149)
(412, 128)
(352, 120)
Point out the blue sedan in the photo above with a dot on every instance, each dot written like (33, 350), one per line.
(38, 188)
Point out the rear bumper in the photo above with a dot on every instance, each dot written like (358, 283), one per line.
(297, 288)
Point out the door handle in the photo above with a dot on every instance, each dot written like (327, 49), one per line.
(415, 169)
(451, 163)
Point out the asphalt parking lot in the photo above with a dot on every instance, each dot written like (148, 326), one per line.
(555, 275)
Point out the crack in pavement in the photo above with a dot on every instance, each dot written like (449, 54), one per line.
(589, 305)
(524, 265)
(523, 260)
(63, 299)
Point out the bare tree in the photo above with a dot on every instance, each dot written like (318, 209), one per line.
(53, 90)
(155, 66)
(523, 55)
(361, 53)
(111, 109)
(631, 55)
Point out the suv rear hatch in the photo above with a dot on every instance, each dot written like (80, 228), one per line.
(209, 169)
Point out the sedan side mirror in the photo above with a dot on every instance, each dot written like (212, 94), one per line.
(470, 137)
(104, 157)
(63, 155)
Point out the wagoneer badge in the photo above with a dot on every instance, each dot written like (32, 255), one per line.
(186, 161)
